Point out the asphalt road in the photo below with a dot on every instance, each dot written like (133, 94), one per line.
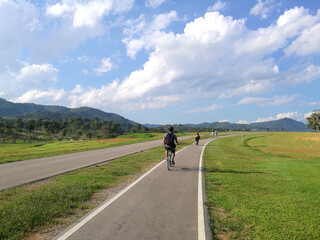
(23, 172)
(161, 204)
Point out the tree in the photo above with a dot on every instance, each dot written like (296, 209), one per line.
(314, 121)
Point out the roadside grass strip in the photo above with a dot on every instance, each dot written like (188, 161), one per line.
(24, 211)
(260, 192)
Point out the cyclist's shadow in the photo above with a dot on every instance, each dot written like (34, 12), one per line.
(184, 169)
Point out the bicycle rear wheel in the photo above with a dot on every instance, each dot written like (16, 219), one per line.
(169, 160)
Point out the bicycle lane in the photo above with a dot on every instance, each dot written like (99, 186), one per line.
(161, 204)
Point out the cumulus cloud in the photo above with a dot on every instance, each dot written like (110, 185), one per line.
(19, 21)
(141, 34)
(214, 53)
(276, 36)
(307, 114)
(87, 13)
(314, 103)
(218, 6)
(242, 122)
(154, 3)
(274, 101)
(293, 115)
(215, 56)
(263, 8)
(210, 108)
(42, 96)
(36, 74)
(105, 66)
(27, 76)
(307, 43)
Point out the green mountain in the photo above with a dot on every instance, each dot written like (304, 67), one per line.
(35, 111)
(286, 124)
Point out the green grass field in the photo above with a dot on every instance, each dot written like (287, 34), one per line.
(268, 189)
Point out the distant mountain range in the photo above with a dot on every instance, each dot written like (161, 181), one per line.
(35, 111)
(285, 124)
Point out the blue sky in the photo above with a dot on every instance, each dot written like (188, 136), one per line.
(164, 61)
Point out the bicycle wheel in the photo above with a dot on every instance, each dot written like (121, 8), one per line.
(169, 160)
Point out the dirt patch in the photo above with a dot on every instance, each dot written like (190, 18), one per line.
(221, 213)
(313, 139)
(223, 236)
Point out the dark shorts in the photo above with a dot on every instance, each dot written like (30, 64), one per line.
(167, 147)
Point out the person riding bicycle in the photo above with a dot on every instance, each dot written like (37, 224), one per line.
(169, 140)
(197, 138)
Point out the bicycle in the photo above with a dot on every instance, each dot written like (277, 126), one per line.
(169, 159)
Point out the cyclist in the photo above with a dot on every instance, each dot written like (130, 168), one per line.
(197, 138)
(169, 141)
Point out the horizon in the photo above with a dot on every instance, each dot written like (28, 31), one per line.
(165, 61)
(221, 121)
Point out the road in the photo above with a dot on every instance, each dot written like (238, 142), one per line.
(23, 172)
(161, 204)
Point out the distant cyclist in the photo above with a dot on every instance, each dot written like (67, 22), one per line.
(169, 141)
(197, 138)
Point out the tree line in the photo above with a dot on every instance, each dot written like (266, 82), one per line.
(73, 128)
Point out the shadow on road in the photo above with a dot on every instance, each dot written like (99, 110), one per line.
(184, 169)
(230, 171)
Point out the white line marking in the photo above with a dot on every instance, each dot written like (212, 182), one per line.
(201, 225)
(103, 206)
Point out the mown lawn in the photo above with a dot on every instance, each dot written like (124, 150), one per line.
(268, 189)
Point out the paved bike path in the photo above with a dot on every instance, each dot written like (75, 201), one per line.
(162, 205)
(23, 172)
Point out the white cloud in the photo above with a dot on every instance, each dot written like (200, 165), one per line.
(42, 96)
(213, 54)
(274, 101)
(36, 74)
(224, 121)
(297, 76)
(154, 3)
(270, 39)
(218, 6)
(314, 103)
(146, 35)
(307, 43)
(89, 13)
(19, 21)
(83, 58)
(210, 108)
(307, 114)
(85, 71)
(262, 8)
(293, 115)
(105, 66)
(242, 122)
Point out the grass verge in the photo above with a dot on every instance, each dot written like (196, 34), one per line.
(26, 210)
(253, 194)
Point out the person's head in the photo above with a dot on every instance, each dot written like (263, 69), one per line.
(170, 129)
(197, 133)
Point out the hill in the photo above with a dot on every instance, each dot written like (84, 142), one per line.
(285, 124)
(35, 111)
